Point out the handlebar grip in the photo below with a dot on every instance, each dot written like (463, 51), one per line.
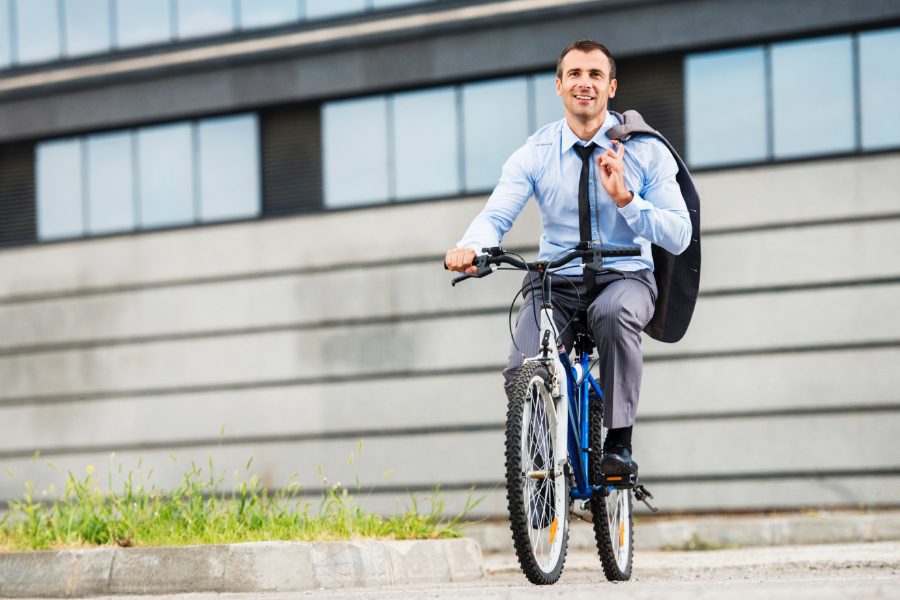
(482, 271)
(628, 251)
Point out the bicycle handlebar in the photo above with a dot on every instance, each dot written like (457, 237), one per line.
(498, 256)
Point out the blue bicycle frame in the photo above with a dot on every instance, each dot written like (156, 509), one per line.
(579, 441)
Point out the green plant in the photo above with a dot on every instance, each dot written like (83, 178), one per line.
(197, 511)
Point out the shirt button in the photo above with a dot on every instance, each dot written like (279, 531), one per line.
(590, 181)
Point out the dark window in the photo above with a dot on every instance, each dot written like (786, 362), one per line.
(654, 86)
(291, 160)
(17, 207)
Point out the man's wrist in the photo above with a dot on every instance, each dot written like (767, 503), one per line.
(623, 200)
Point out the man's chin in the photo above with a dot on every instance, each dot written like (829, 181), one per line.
(585, 114)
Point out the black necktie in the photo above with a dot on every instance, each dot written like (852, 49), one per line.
(584, 207)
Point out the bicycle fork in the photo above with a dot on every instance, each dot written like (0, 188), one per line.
(558, 404)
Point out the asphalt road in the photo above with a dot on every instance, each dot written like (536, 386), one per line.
(857, 571)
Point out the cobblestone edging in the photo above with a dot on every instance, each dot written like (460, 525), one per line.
(250, 567)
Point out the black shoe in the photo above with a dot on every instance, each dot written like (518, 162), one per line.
(617, 461)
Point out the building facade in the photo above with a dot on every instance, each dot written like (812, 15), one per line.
(222, 221)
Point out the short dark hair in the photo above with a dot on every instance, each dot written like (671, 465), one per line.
(586, 46)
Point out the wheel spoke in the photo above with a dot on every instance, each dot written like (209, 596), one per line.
(541, 491)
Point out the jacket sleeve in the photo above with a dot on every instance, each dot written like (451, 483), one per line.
(658, 212)
(515, 187)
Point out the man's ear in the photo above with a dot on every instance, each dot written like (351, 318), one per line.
(558, 87)
(612, 87)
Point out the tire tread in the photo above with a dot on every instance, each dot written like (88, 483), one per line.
(598, 503)
(518, 519)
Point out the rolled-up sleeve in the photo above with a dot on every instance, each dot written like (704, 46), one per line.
(515, 187)
(658, 212)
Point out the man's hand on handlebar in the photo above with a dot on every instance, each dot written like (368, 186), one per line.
(460, 259)
(465, 260)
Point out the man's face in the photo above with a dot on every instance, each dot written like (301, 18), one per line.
(585, 86)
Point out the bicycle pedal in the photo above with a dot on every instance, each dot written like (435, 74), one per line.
(641, 493)
(619, 482)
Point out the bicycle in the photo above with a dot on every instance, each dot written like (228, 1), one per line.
(554, 440)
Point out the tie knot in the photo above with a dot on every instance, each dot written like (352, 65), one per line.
(585, 151)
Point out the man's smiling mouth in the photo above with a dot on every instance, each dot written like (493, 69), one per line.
(577, 97)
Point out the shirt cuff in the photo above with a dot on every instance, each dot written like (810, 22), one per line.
(473, 246)
(631, 210)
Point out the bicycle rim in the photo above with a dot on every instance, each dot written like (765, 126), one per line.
(542, 491)
(537, 496)
(618, 520)
(612, 513)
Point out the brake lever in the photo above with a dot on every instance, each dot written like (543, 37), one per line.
(482, 272)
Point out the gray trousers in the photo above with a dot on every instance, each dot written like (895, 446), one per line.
(621, 306)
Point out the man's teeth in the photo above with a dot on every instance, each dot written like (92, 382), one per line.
(584, 97)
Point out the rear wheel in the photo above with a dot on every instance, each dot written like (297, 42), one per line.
(537, 495)
(612, 513)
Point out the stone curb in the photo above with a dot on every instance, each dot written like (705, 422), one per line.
(798, 529)
(250, 567)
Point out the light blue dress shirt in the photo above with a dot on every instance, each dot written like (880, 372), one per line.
(548, 168)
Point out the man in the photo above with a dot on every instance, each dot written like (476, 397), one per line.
(638, 202)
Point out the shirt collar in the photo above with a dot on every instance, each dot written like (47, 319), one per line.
(569, 138)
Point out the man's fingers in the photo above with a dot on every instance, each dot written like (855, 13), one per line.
(610, 162)
(459, 259)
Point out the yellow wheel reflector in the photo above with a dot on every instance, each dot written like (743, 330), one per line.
(614, 479)
(553, 529)
(622, 534)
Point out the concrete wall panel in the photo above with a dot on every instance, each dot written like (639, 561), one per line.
(722, 324)
(299, 410)
(792, 193)
(771, 382)
(802, 255)
(809, 317)
(720, 386)
(667, 450)
(375, 236)
(738, 261)
(678, 389)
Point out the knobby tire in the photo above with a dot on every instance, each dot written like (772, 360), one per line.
(518, 394)
(599, 508)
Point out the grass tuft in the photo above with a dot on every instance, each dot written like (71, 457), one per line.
(198, 512)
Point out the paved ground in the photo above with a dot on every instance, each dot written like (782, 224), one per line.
(822, 572)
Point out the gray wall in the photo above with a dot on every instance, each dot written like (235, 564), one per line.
(300, 337)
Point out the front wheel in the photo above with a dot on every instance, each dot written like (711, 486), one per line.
(536, 488)
(612, 514)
